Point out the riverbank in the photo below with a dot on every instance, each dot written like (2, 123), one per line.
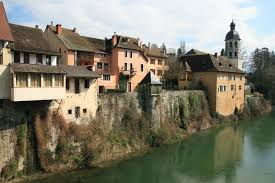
(225, 152)
(123, 128)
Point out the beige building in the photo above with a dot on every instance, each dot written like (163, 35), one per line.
(223, 81)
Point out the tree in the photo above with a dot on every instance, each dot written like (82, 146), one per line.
(182, 47)
(154, 46)
(163, 48)
(222, 52)
(179, 53)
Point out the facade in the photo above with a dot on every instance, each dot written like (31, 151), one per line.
(223, 81)
(233, 47)
(114, 59)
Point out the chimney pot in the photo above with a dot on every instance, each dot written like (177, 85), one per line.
(216, 55)
(36, 26)
(75, 30)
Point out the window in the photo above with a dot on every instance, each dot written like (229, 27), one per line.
(240, 87)
(230, 54)
(35, 80)
(125, 66)
(21, 80)
(17, 57)
(236, 54)
(159, 72)
(126, 54)
(70, 111)
(153, 71)
(229, 77)
(67, 84)
(76, 86)
(77, 112)
(152, 61)
(131, 66)
(87, 83)
(26, 58)
(47, 80)
(1, 104)
(231, 44)
(131, 54)
(232, 87)
(221, 88)
(241, 78)
(224, 88)
(99, 65)
(236, 44)
(106, 77)
(84, 111)
(39, 58)
(166, 62)
(159, 62)
(106, 65)
(48, 60)
(141, 68)
(234, 77)
(58, 80)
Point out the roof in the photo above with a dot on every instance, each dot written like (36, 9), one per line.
(151, 79)
(195, 52)
(127, 43)
(155, 52)
(232, 34)
(176, 69)
(79, 71)
(5, 33)
(209, 63)
(30, 39)
(35, 68)
(97, 45)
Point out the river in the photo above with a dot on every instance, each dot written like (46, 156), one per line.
(236, 153)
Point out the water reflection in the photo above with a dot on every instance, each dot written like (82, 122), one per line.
(201, 158)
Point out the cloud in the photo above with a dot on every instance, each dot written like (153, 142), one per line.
(203, 24)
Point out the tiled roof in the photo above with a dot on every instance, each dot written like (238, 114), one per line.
(30, 40)
(72, 40)
(155, 52)
(5, 33)
(97, 45)
(195, 52)
(36, 68)
(151, 79)
(127, 43)
(79, 71)
(209, 63)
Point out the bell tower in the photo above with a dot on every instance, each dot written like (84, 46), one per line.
(232, 46)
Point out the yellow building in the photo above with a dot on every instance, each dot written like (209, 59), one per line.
(223, 81)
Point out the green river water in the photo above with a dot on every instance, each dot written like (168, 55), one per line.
(239, 153)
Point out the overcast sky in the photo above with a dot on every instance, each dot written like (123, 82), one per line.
(202, 24)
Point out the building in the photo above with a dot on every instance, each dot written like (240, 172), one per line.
(122, 61)
(233, 47)
(223, 81)
(80, 50)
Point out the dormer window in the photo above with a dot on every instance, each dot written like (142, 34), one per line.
(230, 65)
(124, 40)
(220, 64)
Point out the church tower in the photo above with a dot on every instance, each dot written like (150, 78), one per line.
(232, 46)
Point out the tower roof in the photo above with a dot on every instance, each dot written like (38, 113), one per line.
(150, 79)
(5, 33)
(232, 34)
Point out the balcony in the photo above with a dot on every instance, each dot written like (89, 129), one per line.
(129, 72)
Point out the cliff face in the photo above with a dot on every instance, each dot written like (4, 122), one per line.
(125, 123)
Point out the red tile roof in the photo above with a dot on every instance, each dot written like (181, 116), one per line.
(5, 33)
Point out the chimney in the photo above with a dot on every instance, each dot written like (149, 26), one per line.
(51, 23)
(36, 26)
(114, 39)
(58, 29)
(149, 45)
(216, 55)
(75, 30)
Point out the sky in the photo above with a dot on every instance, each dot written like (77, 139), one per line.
(202, 24)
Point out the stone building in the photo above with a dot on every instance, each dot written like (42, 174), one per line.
(223, 81)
